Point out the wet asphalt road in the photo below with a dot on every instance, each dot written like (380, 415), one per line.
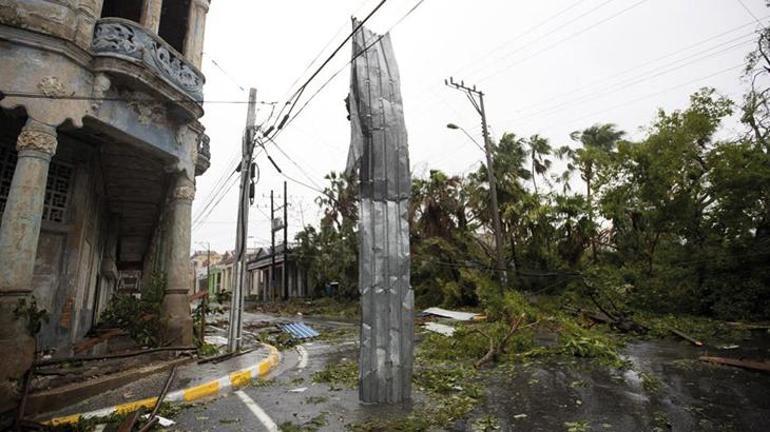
(666, 389)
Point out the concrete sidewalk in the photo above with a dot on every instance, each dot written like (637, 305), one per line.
(192, 382)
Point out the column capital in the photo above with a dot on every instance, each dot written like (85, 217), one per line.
(184, 189)
(204, 4)
(37, 136)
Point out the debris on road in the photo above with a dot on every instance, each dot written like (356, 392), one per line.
(686, 337)
(763, 366)
(216, 340)
(728, 347)
(298, 390)
(443, 329)
(299, 330)
(455, 315)
(162, 421)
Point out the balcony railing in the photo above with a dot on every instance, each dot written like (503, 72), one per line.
(116, 37)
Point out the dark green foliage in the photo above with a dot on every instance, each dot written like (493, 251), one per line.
(34, 316)
(674, 221)
(330, 253)
(139, 317)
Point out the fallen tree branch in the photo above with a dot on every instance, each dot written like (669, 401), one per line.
(686, 337)
(495, 349)
(763, 366)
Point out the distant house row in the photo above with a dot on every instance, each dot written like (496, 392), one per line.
(216, 276)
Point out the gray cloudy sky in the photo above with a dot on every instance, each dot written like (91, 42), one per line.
(547, 67)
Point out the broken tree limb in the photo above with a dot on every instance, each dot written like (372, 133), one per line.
(150, 424)
(495, 349)
(763, 366)
(745, 326)
(127, 425)
(686, 337)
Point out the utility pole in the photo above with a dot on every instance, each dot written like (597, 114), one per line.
(272, 246)
(246, 192)
(472, 94)
(285, 272)
(205, 298)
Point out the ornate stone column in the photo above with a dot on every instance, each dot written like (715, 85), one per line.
(150, 18)
(19, 235)
(196, 28)
(176, 318)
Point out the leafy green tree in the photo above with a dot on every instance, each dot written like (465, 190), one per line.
(330, 253)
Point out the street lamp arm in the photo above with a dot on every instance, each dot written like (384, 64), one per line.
(455, 127)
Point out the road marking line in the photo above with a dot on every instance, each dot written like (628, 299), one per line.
(302, 358)
(257, 411)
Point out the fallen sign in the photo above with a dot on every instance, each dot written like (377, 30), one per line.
(763, 366)
(455, 315)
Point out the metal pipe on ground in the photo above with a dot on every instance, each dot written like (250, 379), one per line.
(51, 362)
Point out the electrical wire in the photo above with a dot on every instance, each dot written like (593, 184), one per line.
(25, 95)
(748, 11)
(632, 101)
(624, 85)
(560, 41)
(344, 67)
(602, 81)
(558, 28)
(292, 102)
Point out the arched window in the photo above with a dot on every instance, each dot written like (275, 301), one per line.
(173, 22)
(128, 9)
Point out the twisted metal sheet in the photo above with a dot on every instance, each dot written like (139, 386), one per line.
(378, 150)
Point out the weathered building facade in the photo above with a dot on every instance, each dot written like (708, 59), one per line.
(259, 277)
(100, 144)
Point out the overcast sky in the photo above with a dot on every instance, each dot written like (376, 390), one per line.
(547, 66)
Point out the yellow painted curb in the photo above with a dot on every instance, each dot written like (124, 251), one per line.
(133, 406)
(233, 380)
(201, 391)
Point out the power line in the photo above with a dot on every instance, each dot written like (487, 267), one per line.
(623, 85)
(296, 96)
(573, 20)
(230, 77)
(18, 94)
(639, 99)
(560, 41)
(333, 76)
(603, 80)
(751, 14)
(312, 62)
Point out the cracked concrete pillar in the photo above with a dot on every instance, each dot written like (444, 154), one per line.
(150, 18)
(19, 235)
(175, 316)
(196, 28)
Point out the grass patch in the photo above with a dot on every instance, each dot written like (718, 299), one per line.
(338, 375)
(315, 400)
(312, 425)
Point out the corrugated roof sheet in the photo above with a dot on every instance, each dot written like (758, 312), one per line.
(299, 330)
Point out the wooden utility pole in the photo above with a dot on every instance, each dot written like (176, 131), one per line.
(472, 94)
(239, 266)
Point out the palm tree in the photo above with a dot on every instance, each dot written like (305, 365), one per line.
(598, 142)
(539, 148)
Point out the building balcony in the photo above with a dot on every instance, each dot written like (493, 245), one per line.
(203, 161)
(128, 51)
